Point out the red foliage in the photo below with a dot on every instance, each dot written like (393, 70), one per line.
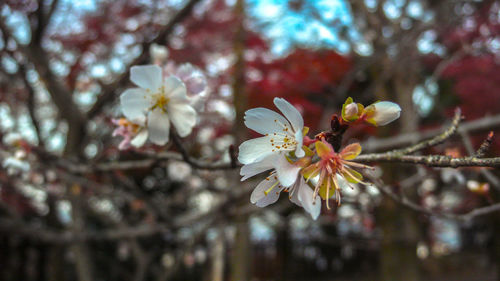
(298, 77)
(475, 76)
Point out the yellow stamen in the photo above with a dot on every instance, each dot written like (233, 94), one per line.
(327, 194)
(161, 101)
(271, 188)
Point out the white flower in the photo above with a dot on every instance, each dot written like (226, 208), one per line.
(161, 101)
(383, 113)
(282, 134)
(285, 177)
(268, 192)
(133, 133)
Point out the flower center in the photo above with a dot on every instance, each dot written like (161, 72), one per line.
(160, 101)
(129, 125)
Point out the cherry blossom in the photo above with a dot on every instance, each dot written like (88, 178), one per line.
(161, 101)
(268, 191)
(133, 133)
(331, 166)
(282, 134)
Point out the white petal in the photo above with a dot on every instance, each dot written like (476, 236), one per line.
(262, 121)
(183, 116)
(294, 193)
(261, 198)
(255, 150)
(140, 138)
(158, 126)
(146, 76)
(134, 103)
(141, 121)
(175, 89)
(291, 113)
(287, 172)
(299, 138)
(252, 169)
(313, 207)
(386, 112)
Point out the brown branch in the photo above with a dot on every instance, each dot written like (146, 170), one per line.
(195, 163)
(430, 212)
(43, 20)
(478, 125)
(431, 160)
(485, 146)
(109, 91)
(495, 182)
(400, 155)
(438, 139)
(31, 105)
(60, 95)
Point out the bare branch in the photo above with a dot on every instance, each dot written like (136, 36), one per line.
(478, 125)
(486, 173)
(415, 207)
(431, 160)
(485, 146)
(31, 105)
(438, 139)
(43, 20)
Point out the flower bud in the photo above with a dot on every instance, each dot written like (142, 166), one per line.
(351, 110)
(382, 113)
(158, 53)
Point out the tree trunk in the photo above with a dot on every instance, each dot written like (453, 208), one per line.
(398, 259)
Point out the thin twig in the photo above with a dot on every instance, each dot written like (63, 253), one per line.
(415, 207)
(431, 160)
(485, 146)
(438, 139)
(483, 124)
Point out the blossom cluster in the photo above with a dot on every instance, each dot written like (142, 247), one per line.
(304, 167)
(309, 170)
(163, 96)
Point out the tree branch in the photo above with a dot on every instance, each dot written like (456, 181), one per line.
(438, 139)
(478, 125)
(31, 105)
(415, 207)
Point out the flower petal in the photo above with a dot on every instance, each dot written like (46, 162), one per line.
(264, 121)
(287, 172)
(134, 103)
(305, 196)
(252, 169)
(255, 150)
(293, 194)
(146, 76)
(311, 171)
(183, 116)
(140, 138)
(158, 126)
(175, 89)
(264, 195)
(291, 113)
(328, 183)
(351, 175)
(299, 138)
(323, 149)
(351, 151)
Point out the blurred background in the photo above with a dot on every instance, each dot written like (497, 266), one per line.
(63, 65)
